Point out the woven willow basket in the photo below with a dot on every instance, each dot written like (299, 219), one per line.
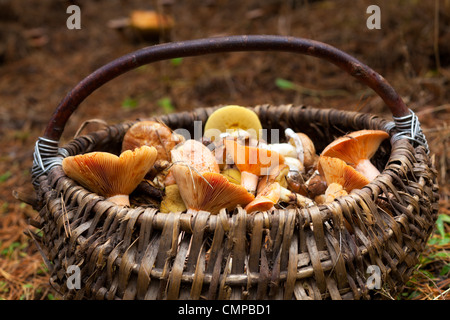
(291, 253)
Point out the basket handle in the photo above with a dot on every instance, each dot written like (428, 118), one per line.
(46, 150)
(166, 51)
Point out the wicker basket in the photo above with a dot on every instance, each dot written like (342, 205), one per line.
(294, 253)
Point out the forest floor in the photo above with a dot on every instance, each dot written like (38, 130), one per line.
(41, 60)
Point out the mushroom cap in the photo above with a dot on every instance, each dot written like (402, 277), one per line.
(294, 164)
(355, 146)
(154, 134)
(266, 199)
(150, 21)
(335, 170)
(233, 175)
(334, 191)
(315, 185)
(107, 174)
(277, 174)
(231, 118)
(258, 161)
(172, 201)
(196, 155)
(304, 144)
(209, 191)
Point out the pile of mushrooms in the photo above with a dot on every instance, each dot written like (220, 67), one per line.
(230, 166)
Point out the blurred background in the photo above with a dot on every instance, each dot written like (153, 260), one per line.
(41, 59)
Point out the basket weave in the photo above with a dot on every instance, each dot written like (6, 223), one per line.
(291, 253)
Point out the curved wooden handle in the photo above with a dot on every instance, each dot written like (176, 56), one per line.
(171, 50)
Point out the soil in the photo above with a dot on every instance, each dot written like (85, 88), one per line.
(41, 60)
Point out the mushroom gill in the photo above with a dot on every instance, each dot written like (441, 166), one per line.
(356, 149)
(340, 177)
(108, 175)
(209, 191)
(201, 185)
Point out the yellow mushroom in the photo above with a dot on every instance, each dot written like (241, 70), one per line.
(233, 175)
(235, 120)
(172, 200)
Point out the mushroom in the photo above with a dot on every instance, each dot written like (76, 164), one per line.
(276, 174)
(252, 162)
(201, 185)
(152, 133)
(295, 198)
(196, 155)
(208, 191)
(266, 199)
(150, 24)
(172, 201)
(232, 119)
(233, 175)
(340, 177)
(285, 149)
(356, 149)
(294, 177)
(315, 185)
(108, 175)
(271, 190)
(304, 146)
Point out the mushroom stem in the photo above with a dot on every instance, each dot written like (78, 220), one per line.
(356, 149)
(253, 162)
(192, 211)
(333, 191)
(249, 181)
(367, 169)
(120, 199)
(287, 195)
(297, 142)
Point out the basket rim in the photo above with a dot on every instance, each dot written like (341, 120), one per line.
(325, 209)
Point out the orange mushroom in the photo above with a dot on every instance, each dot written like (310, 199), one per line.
(149, 24)
(209, 191)
(340, 177)
(269, 189)
(252, 162)
(266, 199)
(356, 149)
(200, 183)
(109, 175)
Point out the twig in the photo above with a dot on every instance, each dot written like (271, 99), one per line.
(442, 294)
(435, 109)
